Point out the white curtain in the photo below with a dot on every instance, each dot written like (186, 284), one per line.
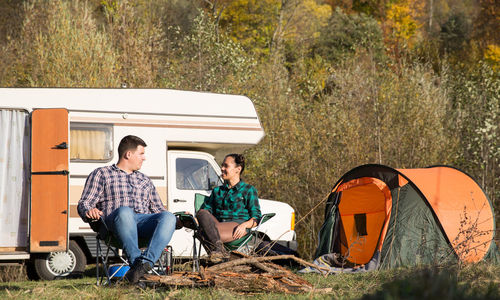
(14, 176)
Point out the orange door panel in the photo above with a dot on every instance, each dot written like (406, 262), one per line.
(49, 180)
(49, 140)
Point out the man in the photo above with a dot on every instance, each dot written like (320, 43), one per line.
(130, 205)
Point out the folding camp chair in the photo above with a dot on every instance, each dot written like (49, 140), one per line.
(163, 266)
(237, 245)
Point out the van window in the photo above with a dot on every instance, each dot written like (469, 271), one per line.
(91, 142)
(195, 174)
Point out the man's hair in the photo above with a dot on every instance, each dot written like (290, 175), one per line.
(129, 143)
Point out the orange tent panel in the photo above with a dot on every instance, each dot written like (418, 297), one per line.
(370, 197)
(461, 207)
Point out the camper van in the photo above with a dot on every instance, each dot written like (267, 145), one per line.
(52, 138)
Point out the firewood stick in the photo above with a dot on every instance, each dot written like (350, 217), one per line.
(242, 261)
(262, 267)
(202, 273)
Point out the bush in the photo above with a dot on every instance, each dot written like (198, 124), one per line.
(347, 34)
(60, 45)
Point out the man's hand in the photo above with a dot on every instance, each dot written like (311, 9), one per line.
(93, 214)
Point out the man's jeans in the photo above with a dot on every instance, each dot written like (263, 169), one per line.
(129, 227)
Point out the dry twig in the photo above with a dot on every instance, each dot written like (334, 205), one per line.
(237, 276)
(247, 260)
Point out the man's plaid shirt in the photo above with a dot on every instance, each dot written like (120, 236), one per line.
(238, 203)
(109, 188)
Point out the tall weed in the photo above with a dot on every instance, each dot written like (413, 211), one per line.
(60, 46)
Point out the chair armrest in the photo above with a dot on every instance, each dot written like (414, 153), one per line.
(99, 227)
(266, 218)
(188, 220)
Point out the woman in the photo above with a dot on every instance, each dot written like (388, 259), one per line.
(231, 209)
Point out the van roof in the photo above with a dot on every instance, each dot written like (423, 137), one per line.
(138, 101)
(215, 123)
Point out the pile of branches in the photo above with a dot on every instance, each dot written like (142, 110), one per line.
(241, 275)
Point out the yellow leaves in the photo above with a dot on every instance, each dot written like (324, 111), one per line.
(251, 22)
(401, 22)
(321, 12)
(306, 18)
(492, 56)
(255, 23)
(400, 18)
(110, 6)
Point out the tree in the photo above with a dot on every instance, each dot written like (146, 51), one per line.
(476, 100)
(347, 34)
(251, 22)
(455, 33)
(138, 36)
(400, 27)
(207, 61)
(487, 24)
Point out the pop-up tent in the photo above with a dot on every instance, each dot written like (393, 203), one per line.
(381, 217)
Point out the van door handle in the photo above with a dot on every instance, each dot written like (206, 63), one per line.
(179, 200)
(62, 145)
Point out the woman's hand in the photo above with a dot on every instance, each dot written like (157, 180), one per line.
(240, 231)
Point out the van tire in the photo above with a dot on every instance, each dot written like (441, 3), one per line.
(31, 271)
(61, 264)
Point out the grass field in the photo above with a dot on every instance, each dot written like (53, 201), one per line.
(471, 282)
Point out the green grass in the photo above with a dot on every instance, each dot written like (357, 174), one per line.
(471, 282)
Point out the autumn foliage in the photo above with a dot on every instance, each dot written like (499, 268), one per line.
(337, 83)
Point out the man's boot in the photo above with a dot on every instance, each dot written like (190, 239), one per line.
(208, 233)
(219, 254)
(138, 269)
(210, 238)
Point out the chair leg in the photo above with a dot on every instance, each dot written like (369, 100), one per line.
(164, 264)
(168, 263)
(124, 262)
(98, 254)
(199, 254)
(196, 257)
(103, 264)
(105, 267)
(160, 265)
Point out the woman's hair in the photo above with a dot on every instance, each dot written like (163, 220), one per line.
(239, 160)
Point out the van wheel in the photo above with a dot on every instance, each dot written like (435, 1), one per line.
(31, 271)
(61, 264)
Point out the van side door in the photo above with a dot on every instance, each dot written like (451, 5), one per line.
(49, 180)
(189, 172)
(192, 172)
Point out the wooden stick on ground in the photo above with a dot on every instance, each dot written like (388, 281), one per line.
(262, 267)
(251, 260)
